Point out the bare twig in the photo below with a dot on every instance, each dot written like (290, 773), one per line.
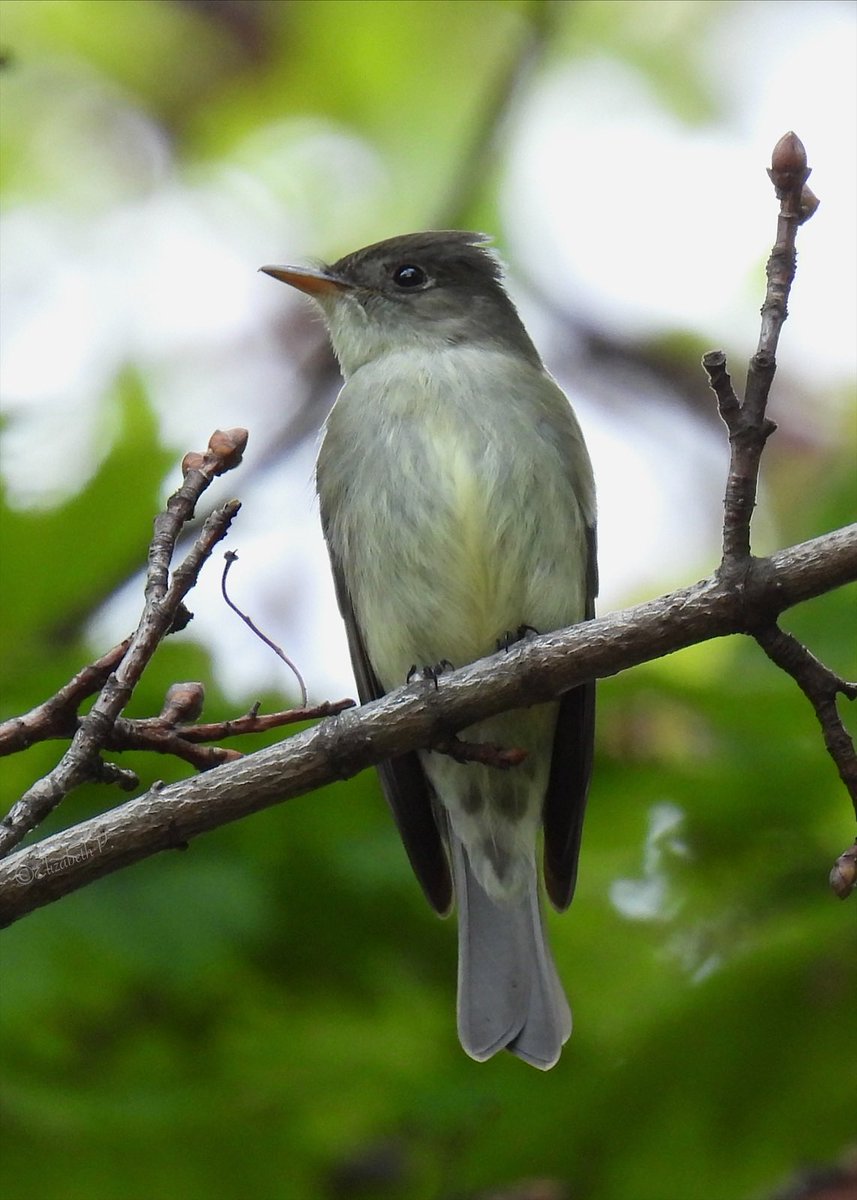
(168, 733)
(57, 717)
(534, 671)
(486, 753)
(163, 604)
(252, 722)
(789, 173)
(749, 427)
(232, 557)
(111, 773)
(821, 686)
(165, 737)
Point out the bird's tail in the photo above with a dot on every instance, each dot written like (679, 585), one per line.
(509, 993)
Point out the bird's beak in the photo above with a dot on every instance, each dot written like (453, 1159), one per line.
(314, 283)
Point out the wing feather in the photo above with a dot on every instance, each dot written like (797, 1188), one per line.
(403, 780)
(571, 769)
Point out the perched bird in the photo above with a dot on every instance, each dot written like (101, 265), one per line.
(458, 506)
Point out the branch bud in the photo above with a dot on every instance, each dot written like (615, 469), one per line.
(788, 171)
(843, 876)
(809, 202)
(183, 702)
(192, 461)
(226, 754)
(789, 154)
(227, 445)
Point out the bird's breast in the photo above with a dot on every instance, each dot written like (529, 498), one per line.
(453, 518)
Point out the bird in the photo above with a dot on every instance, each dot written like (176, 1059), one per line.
(457, 501)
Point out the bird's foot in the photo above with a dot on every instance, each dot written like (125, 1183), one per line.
(508, 639)
(430, 671)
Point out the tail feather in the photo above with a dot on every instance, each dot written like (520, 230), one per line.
(509, 993)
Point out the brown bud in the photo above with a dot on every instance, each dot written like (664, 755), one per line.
(843, 876)
(192, 461)
(226, 754)
(228, 445)
(789, 156)
(788, 171)
(809, 202)
(183, 702)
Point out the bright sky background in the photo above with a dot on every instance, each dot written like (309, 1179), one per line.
(618, 209)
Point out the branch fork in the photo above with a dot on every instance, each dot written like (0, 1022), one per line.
(120, 671)
(749, 429)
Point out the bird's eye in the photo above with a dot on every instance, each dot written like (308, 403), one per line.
(409, 276)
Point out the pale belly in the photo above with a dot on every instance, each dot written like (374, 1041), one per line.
(458, 553)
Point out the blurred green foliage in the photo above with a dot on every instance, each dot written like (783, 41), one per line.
(271, 1013)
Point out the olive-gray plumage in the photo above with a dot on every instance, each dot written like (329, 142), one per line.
(458, 506)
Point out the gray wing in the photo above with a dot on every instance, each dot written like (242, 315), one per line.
(403, 779)
(571, 768)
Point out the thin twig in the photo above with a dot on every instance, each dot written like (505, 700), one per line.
(821, 686)
(232, 557)
(749, 429)
(163, 737)
(253, 722)
(57, 717)
(163, 603)
(747, 422)
(486, 753)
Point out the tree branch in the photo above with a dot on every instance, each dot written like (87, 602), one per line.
(57, 717)
(165, 736)
(531, 672)
(821, 686)
(162, 611)
(749, 429)
(745, 595)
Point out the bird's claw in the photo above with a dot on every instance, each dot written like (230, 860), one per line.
(508, 639)
(429, 671)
